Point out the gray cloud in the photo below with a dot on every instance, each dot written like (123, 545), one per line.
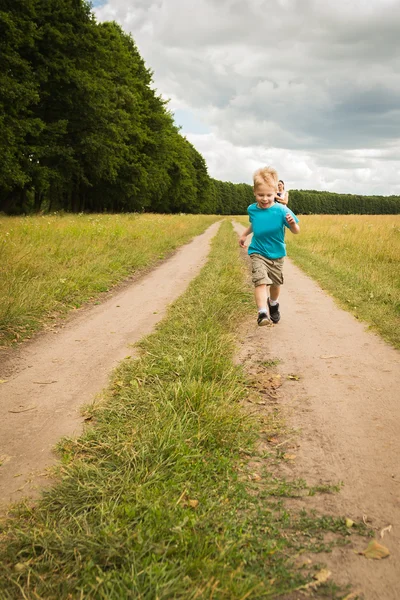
(302, 76)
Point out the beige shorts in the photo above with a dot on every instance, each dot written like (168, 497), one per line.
(266, 271)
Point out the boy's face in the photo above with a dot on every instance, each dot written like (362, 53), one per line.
(265, 195)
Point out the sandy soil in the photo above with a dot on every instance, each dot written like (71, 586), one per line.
(346, 414)
(59, 372)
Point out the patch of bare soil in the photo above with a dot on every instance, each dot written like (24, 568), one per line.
(50, 378)
(340, 395)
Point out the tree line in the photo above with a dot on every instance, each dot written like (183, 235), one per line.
(308, 202)
(81, 127)
(83, 130)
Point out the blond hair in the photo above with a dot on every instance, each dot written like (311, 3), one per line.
(266, 175)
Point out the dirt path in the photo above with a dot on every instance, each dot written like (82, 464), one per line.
(61, 371)
(346, 410)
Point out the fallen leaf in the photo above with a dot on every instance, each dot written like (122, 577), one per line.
(321, 577)
(273, 440)
(3, 380)
(375, 550)
(289, 456)
(180, 358)
(45, 382)
(352, 596)
(255, 477)
(330, 356)
(19, 567)
(261, 402)
(349, 523)
(387, 529)
(193, 503)
(294, 377)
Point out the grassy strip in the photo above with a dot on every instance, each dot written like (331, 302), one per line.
(156, 500)
(356, 259)
(51, 264)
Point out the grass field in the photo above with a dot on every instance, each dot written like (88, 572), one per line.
(356, 258)
(157, 499)
(51, 264)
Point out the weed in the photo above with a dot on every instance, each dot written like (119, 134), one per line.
(273, 362)
(328, 488)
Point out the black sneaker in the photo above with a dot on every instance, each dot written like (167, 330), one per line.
(263, 319)
(274, 312)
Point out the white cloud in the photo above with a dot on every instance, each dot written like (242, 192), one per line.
(357, 172)
(311, 87)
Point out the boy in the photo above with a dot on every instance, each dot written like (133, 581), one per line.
(267, 249)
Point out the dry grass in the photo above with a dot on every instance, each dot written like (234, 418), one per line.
(51, 264)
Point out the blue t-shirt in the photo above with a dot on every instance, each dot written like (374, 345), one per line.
(269, 229)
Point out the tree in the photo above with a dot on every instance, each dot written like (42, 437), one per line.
(18, 97)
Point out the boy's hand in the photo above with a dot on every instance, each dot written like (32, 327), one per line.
(242, 242)
(294, 227)
(290, 219)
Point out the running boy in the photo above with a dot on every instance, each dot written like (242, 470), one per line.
(267, 249)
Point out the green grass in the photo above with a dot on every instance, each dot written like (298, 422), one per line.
(356, 258)
(271, 363)
(51, 264)
(157, 499)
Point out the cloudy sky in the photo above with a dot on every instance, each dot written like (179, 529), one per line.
(311, 87)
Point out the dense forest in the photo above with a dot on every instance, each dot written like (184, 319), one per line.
(308, 202)
(82, 129)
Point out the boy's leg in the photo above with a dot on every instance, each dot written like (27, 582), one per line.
(276, 275)
(260, 293)
(274, 292)
(261, 280)
(273, 303)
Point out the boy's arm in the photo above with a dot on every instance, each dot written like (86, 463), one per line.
(293, 226)
(244, 235)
